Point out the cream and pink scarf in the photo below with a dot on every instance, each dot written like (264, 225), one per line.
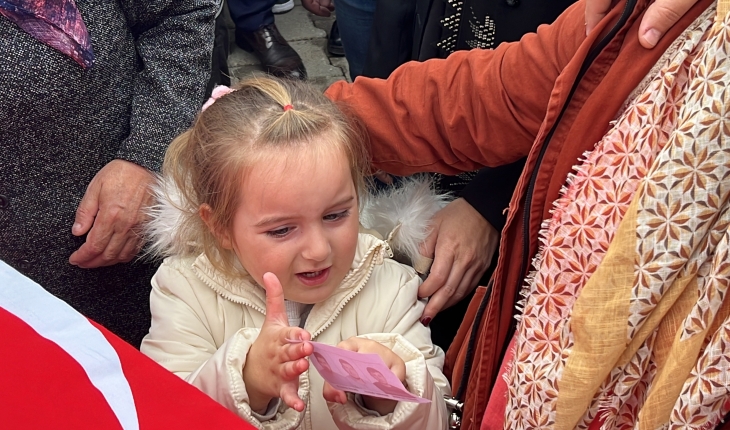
(626, 320)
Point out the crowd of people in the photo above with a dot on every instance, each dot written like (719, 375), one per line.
(578, 279)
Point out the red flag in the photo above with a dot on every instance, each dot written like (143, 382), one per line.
(45, 385)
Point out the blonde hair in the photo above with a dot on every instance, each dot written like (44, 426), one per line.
(206, 163)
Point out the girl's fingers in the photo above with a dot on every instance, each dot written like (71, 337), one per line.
(332, 395)
(292, 369)
(290, 396)
(398, 367)
(295, 351)
(275, 308)
(288, 334)
(350, 344)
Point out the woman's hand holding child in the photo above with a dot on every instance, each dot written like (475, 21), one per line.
(391, 359)
(274, 364)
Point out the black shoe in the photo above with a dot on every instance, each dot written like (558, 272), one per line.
(277, 57)
(334, 42)
(283, 6)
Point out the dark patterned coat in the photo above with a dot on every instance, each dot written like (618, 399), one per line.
(60, 124)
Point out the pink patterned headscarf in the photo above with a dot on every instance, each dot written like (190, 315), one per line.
(57, 23)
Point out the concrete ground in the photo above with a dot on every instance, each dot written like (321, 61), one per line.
(307, 34)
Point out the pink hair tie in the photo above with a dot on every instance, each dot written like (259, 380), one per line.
(287, 107)
(218, 92)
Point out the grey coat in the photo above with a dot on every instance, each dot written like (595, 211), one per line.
(60, 124)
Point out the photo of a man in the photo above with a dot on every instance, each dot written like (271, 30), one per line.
(355, 377)
(382, 383)
(325, 369)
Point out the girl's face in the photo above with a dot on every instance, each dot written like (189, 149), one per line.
(298, 218)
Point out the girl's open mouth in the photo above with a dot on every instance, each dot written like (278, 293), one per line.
(314, 279)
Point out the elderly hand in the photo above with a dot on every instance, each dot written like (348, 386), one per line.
(462, 244)
(319, 7)
(659, 17)
(109, 212)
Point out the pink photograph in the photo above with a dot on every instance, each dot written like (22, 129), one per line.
(364, 374)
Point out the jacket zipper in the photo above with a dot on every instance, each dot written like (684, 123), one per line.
(223, 293)
(387, 251)
(457, 401)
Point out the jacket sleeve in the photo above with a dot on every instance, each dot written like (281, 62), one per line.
(174, 40)
(180, 340)
(475, 108)
(404, 334)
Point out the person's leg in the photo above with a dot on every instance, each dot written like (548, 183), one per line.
(219, 74)
(355, 20)
(251, 15)
(256, 32)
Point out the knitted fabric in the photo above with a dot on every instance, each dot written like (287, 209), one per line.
(63, 123)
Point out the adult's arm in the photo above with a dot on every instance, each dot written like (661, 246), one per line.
(475, 108)
(174, 40)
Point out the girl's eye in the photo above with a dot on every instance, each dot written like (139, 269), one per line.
(279, 232)
(337, 216)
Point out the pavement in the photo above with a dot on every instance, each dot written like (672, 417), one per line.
(307, 34)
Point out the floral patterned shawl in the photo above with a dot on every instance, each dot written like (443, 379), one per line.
(57, 23)
(626, 320)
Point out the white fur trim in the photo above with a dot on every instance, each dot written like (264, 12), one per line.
(405, 212)
(166, 227)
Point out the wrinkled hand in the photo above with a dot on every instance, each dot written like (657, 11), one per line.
(462, 244)
(110, 211)
(273, 365)
(390, 358)
(319, 7)
(659, 17)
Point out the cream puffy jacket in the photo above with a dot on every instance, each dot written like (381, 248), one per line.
(203, 325)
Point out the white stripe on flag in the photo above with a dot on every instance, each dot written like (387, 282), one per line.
(55, 320)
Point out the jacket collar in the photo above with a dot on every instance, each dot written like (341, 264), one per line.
(370, 252)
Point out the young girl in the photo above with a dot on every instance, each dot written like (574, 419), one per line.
(259, 215)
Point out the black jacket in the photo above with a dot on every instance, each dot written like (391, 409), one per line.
(422, 29)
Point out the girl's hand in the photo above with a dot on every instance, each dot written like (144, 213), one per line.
(391, 359)
(273, 364)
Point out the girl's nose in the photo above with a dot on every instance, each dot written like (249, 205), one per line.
(317, 246)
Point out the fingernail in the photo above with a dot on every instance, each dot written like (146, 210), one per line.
(652, 36)
(426, 321)
(76, 228)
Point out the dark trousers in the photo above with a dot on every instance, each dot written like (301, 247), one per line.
(219, 74)
(250, 15)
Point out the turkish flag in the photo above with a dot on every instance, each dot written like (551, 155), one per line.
(78, 375)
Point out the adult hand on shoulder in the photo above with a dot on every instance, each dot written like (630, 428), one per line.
(109, 211)
(273, 364)
(319, 7)
(461, 244)
(659, 17)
